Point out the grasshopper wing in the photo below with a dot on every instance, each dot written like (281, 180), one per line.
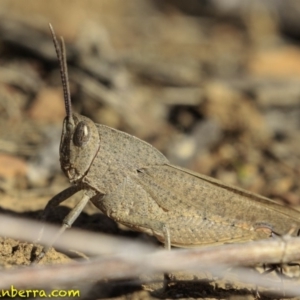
(235, 213)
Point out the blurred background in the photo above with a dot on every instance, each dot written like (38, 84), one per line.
(214, 85)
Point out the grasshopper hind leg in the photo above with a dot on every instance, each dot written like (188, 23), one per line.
(278, 268)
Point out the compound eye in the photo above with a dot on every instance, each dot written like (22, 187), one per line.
(81, 135)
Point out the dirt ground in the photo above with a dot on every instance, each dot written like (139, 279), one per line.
(214, 86)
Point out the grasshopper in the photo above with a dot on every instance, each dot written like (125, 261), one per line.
(134, 184)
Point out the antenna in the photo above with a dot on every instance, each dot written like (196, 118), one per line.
(61, 55)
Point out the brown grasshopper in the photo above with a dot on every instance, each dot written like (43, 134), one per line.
(134, 184)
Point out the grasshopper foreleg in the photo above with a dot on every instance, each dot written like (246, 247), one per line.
(68, 220)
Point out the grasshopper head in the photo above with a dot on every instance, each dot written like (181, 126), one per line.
(80, 141)
(79, 146)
